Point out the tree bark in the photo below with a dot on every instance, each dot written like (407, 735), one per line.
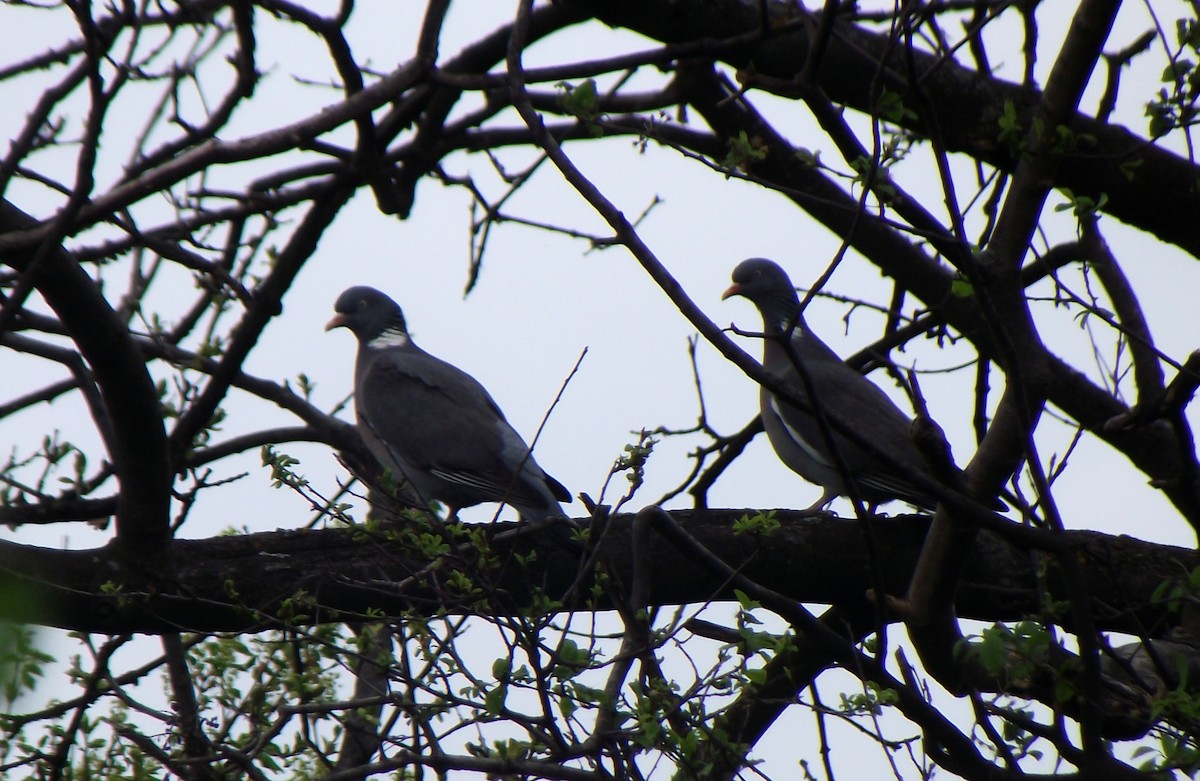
(258, 581)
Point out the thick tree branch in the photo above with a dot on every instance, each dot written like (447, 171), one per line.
(931, 622)
(1160, 198)
(239, 583)
(139, 443)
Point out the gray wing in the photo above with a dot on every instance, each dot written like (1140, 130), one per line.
(440, 420)
(844, 393)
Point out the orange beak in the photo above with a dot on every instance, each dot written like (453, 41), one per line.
(733, 290)
(337, 321)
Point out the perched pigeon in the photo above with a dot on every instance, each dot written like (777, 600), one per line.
(840, 391)
(431, 425)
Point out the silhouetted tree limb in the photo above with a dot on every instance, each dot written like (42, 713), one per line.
(238, 583)
(1159, 198)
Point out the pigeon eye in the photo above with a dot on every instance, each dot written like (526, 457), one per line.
(361, 306)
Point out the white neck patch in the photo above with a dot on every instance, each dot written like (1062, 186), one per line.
(790, 327)
(392, 337)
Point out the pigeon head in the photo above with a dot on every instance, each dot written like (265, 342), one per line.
(368, 313)
(768, 287)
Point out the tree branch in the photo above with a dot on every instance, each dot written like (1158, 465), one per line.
(1160, 198)
(238, 583)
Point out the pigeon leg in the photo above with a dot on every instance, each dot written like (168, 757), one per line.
(822, 504)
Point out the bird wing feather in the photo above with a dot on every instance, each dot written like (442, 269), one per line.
(441, 420)
(845, 394)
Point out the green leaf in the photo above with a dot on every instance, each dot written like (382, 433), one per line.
(992, 648)
(493, 702)
(744, 151)
(589, 694)
(744, 600)
(764, 524)
(1064, 690)
(580, 100)
(808, 157)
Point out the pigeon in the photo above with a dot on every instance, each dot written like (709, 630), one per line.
(432, 426)
(839, 390)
